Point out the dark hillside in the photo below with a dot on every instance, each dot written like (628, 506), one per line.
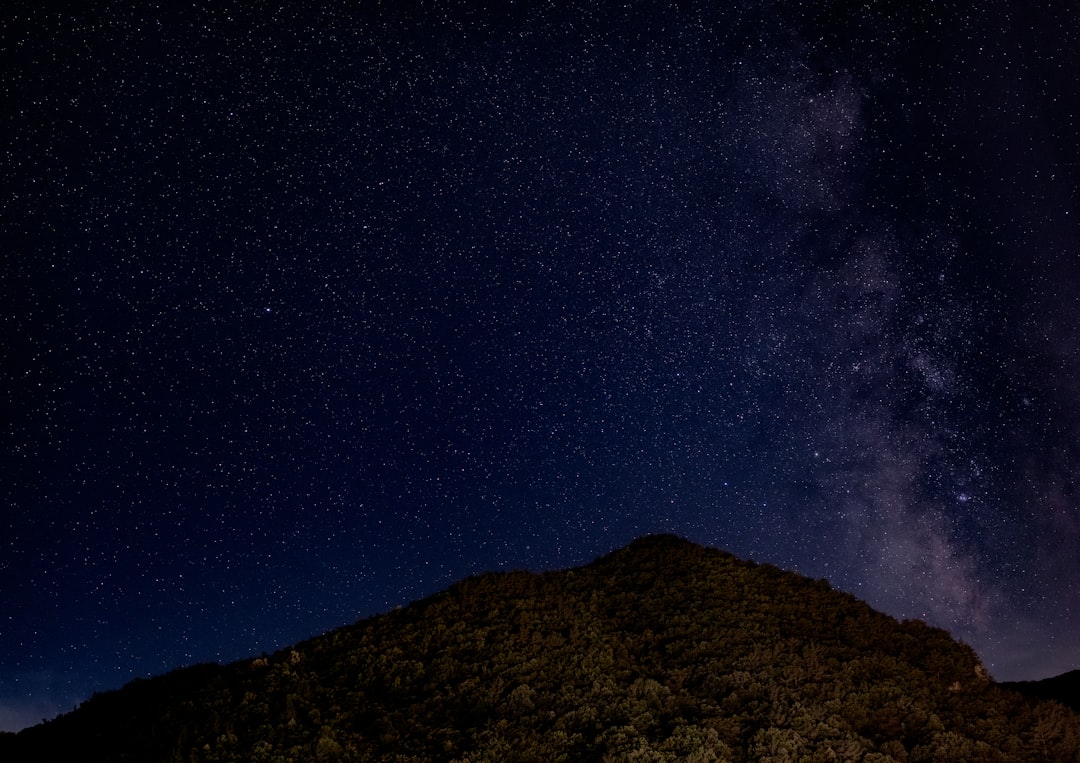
(1064, 688)
(663, 650)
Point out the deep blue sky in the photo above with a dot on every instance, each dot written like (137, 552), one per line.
(308, 313)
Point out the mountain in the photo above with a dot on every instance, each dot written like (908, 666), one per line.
(661, 651)
(1064, 688)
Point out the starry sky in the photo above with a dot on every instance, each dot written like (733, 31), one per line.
(308, 311)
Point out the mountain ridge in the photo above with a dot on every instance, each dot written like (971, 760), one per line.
(1064, 688)
(661, 650)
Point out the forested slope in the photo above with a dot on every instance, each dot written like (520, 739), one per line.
(660, 651)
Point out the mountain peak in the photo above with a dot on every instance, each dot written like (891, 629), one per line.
(662, 650)
(662, 541)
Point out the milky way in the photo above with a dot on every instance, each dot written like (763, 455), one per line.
(309, 313)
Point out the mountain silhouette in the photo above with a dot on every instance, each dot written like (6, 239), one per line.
(1064, 688)
(661, 651)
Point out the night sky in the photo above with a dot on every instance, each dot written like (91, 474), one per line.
(307, 313)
